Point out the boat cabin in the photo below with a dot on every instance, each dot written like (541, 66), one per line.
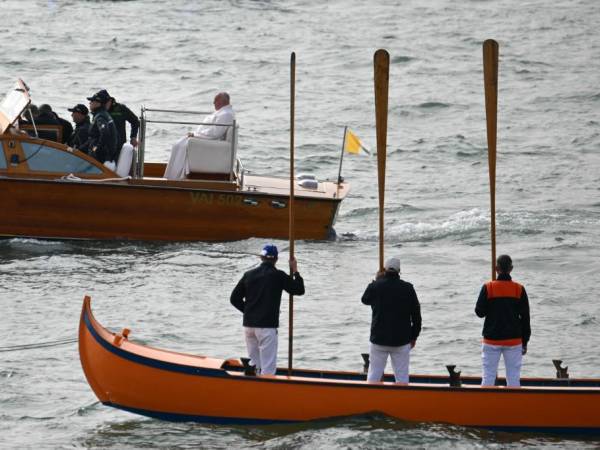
(27, 148)
(22, 154)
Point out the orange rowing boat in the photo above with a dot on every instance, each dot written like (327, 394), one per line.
(180, 387)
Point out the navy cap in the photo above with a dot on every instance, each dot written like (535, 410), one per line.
(101, 97)
(80, 108)
(269, 251)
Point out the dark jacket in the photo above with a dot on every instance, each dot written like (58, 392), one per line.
(80, 135)
(396, 318)
(102, 141)
(262, 288)
(506, 310)
(47, 119)
(66, 127)
(121, 114)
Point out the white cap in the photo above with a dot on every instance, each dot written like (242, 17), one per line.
(393, 264)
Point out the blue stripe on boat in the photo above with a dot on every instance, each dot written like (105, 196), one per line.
(175, 417)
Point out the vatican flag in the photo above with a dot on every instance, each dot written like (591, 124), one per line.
(353, 145)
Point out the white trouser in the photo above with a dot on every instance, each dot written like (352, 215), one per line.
(513, 356)
(378, 355)
(262, 349)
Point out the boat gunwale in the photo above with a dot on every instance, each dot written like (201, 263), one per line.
(132, 184)
(91, 323)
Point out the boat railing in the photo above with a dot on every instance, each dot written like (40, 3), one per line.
(239, 172)
(236, 165)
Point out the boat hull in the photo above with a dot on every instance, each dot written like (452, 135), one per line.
(174, 386)
(125, 210)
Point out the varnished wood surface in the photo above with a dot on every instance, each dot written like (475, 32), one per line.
(86, 210)
(102, 206)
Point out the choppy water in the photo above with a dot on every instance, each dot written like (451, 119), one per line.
(177, 54)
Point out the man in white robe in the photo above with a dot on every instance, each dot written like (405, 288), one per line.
(177, 168)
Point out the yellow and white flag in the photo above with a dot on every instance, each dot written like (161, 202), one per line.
(352, 144)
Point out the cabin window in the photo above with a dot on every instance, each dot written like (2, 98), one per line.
(2, 158)
(48, 159)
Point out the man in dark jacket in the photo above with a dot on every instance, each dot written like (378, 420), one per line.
(506, 329)
(395, 322)
(262, 288)
(121, 114)
(102, 141)
(81, 118)
(48, 117)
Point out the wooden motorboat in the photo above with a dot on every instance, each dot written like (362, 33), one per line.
(49, 190)
(180, 387)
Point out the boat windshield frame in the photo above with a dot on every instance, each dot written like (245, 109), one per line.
(13, 105)
(237, 167)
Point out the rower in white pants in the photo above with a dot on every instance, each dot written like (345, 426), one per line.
(506, 329)
(400, 357)
(395, 322)
(258, 296)
(261, 344)
(513, 357)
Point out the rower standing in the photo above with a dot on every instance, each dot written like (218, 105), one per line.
(258, 296)
(506, 329)
(395, 323)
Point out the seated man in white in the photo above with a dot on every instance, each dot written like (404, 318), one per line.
(223, 115)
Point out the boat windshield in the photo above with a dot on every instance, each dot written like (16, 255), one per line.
(42, 158)
(13, 105)
(2, 158)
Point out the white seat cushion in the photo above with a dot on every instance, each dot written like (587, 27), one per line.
(125, 160)
(210, 156)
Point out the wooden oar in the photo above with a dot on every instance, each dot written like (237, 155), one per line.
(490, 81)
(381, 62)
(291, 203)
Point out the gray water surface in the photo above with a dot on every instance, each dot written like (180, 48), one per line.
(176, 296)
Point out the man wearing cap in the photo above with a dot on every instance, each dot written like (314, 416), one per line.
(121, 114)
(81, 118)
(395, 322)
(102, 141)
(506, 329)
(258, 296)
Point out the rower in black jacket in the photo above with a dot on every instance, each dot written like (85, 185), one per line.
(395, 322)
(258, 296)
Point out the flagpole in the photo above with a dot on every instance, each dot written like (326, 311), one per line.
(342, 156)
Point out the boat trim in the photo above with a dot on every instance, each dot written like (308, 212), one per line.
(221, 373)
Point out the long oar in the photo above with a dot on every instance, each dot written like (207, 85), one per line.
(381, 63)
(490, 81)
(291, 203)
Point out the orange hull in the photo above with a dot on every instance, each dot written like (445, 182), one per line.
(144, 211)
(175, 386)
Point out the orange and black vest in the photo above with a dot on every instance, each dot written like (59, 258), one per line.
(505, 306)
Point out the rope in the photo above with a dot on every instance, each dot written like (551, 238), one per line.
(13, 348)
(72, 177)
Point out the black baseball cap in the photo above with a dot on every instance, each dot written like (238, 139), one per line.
(101, 96)
(79, 108)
